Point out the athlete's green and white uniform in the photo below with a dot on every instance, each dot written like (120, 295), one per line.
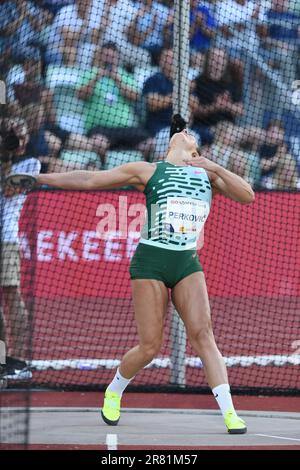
(178, 202)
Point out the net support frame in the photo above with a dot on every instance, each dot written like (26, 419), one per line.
(181, 49)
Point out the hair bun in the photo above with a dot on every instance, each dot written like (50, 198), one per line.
(177, 124)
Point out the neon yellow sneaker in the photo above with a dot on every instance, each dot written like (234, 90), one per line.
(111, 408)
(234, 424)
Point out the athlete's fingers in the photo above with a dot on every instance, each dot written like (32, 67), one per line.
(202, 162)
(197, 161)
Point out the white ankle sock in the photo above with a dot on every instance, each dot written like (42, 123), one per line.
(119, 383)
(223, 396)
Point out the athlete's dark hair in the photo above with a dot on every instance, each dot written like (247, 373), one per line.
(177, 124)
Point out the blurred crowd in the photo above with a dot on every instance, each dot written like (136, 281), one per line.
(93, 81)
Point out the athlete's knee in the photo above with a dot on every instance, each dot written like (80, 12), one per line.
(150, 350)
(201, 335)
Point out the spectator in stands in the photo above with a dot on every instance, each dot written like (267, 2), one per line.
(116, 22)
(73, 25)
(59, 150)
(146, 29)
(280, 25)
(94, 22)
(278, 166)
(20, 24)
(42, 144)
(24, 82)
(258, 155)
(279, 31)
(110, 96)
(15, 313)
(54, 5)
(235, 148)
(217, 96)
(158, 100)
(158, 94)
(29, 98)
(236, 25)
(202, 31)
(25, 85)
(294, 7)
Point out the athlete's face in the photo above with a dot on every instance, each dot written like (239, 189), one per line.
(183, 140)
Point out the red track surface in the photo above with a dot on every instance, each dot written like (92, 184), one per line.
(151, 400)
(64, 400)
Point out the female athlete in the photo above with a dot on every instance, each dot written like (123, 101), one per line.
(178, 194)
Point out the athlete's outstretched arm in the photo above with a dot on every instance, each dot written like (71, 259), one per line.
(233, 186)
(224, 181)
(130, 173)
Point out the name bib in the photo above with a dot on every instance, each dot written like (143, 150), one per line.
(186, 215)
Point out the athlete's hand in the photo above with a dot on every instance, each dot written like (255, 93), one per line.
(202, 162)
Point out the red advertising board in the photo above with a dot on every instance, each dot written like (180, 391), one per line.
(80, 290)
(248, 250)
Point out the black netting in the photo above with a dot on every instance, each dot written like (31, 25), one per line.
(91, 85)
(16, 325)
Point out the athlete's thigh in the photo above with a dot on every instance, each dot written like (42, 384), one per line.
(150, 301)
(191, 301)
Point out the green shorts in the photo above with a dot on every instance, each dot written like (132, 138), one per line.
(168, 266)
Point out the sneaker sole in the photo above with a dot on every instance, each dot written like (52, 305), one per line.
(108, 421)
(237, 431)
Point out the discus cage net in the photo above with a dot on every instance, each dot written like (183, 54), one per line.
(95, 83)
